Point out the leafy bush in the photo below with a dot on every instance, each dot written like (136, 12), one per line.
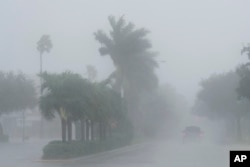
(61, 150)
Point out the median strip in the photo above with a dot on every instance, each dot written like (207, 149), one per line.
(97, 155)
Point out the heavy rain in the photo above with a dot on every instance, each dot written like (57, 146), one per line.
(124, 83)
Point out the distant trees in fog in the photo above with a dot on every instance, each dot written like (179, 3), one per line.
(218, 100)
(17, 93)
(226, 96)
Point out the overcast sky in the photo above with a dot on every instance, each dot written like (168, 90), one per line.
(196, 38)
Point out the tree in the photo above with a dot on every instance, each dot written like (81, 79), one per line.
(66, 94)
(74, 98)
(218, 99)
(246, 49)
(130, 52)
(91, 74)
(243, 71)
(43, 45)
(17, 93)
(110, 110)
(219, 93)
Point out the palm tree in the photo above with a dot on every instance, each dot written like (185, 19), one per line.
(76, 99)
(106, 107)
(91, 75)
(66, 94)
(130, 52)
(43, 45)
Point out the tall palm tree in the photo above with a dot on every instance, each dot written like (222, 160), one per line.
(91, 75)
(130, 52)
(43, 45)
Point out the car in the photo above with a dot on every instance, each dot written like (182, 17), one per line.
(192, 134)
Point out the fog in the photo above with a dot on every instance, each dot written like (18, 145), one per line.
(194, 39)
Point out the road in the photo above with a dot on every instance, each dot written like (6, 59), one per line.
(159, 154)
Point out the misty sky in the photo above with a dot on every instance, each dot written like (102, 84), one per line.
(196, 38)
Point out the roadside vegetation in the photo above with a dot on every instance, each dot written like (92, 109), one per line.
(111, 113)
(17, 93)
(225, 97)
(127, 106)
(105, 112)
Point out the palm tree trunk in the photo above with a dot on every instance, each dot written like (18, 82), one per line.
(82, 130)
(41, 70)
(64, 126)
(41, 65)
(133, 113)
(101, 129)
(103, 133)
(87, 130)
(92, 129)
(119, 80)
(69, 125)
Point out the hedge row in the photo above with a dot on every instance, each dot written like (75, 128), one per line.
(65, 150)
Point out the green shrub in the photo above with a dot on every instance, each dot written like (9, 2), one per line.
(63, 150)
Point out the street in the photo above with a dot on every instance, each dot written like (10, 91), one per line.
(159, 154)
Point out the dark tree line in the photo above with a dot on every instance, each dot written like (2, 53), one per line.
(226, 97)
(76, 99)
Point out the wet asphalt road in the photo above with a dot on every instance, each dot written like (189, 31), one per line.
(159, 154)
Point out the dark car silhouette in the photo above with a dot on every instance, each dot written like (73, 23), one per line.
(192, 134)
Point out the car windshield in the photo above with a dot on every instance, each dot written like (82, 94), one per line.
(124, 83)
